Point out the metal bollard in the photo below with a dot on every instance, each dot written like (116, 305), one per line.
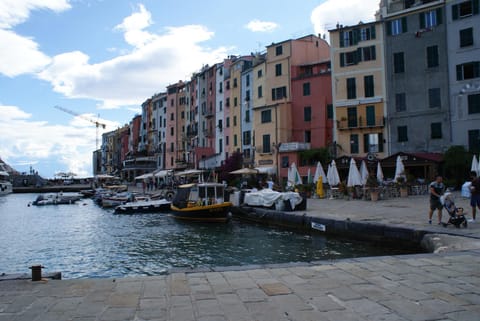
(36, 272)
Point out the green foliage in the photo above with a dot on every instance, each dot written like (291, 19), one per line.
(312, 156)
(457, 165)
(232, 163)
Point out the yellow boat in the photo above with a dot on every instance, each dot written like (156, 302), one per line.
(203, 202)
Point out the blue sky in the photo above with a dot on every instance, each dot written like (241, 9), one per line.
(103, 58)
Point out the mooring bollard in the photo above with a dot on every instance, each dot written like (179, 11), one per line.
(36, 272)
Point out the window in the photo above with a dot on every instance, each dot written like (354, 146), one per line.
(431, 18)
(278, 50)
(474, 140)
(260, 91)
(349, 38)
(354, 144)
(465, 9)
(235, 140)
(308, 136)
(235, 83)
(234, 121)
(279, 93)
(369, 86)
(172, 116)
(220, 124)
(171, 131)
(220, 87)
(266, 116)
(368, 53)
(285, 163)
(227, 102)
(247, 138)
(370, 116)
(306, 89)
(307, 113)
(400, 102)
(220, 145)
(266, 144)
(351, 88)
(466, 37)
(398, 62)
(402, 132)
(373, 143)
(432, 56)
(259, 73)
(436, 130)
(172, 147)
(434, 100)
(247, 116)
(278, 69)
(227, 122)
(329, 111)
(367, 33)
(352, 117)
(468, 70)
(396, 27)
(235, 101)
(227, 140)
(474, 104)
(220, 105)
(247, 80)
(247, 95)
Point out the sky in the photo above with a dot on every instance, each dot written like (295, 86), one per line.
(101, 59)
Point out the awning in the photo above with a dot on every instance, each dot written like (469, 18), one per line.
(189, 172)
(162, 173)
(270, 170)
(144, 176)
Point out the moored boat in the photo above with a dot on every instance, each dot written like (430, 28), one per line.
(203, 202)
(144, 206)
(5, 185)
(55, 199)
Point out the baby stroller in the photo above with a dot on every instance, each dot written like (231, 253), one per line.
(457, 217)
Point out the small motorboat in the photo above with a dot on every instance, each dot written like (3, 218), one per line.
(144, 206)
(203, 202)
(5, 185)
(55, 199)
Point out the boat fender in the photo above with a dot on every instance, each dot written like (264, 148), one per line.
(169, 196)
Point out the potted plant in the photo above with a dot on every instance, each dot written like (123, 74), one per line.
(372, 184)
(402, 184)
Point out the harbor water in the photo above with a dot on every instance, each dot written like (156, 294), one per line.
(83, 240)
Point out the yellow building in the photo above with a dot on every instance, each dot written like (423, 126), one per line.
(358, 90)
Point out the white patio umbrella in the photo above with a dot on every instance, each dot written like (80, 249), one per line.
(295, 175)
(319, 172)
(399, 169)
(332, 174)
(475, 165)
(364, 172)
(354, 177)
(309, 177)
(379, 173)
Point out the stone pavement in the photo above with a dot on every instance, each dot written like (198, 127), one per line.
(440, 286)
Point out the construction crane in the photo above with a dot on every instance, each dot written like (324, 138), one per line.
(97, 123)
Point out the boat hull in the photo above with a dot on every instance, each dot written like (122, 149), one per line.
(143, 207)
(203, 213)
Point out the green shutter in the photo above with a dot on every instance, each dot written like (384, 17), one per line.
(422, 20)
(365, 143)
(389, 28)
(342, 59)
(404, 25)
(439, 16)
(380, 142)
(356, 36)
(455, 12)
(374, 53)
(341, 40)
(476, 69)
(459, 72)
(372, 32)
(475, 5)
(358, 55)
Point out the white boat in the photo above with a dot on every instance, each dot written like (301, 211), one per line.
(144, 206)
(55, 199)
(5, 185)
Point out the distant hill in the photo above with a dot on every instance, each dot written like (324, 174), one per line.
(7, 168)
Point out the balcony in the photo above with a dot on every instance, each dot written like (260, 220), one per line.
(208, 113)
(359, 123)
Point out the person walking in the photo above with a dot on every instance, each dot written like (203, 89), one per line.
(436, 190)
(475, 195)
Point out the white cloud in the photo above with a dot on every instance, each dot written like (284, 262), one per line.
(14, 12)
(351, 12)
(154, 61)
(69, 146)
(261, 26)
(19, 54)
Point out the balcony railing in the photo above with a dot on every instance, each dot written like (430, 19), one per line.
(358, 123)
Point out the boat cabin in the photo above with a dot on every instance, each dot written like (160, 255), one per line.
(202, 194)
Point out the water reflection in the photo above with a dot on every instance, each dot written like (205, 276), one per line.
(83, 240)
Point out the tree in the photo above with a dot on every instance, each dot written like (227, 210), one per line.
(457, 167)
(232, 163)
